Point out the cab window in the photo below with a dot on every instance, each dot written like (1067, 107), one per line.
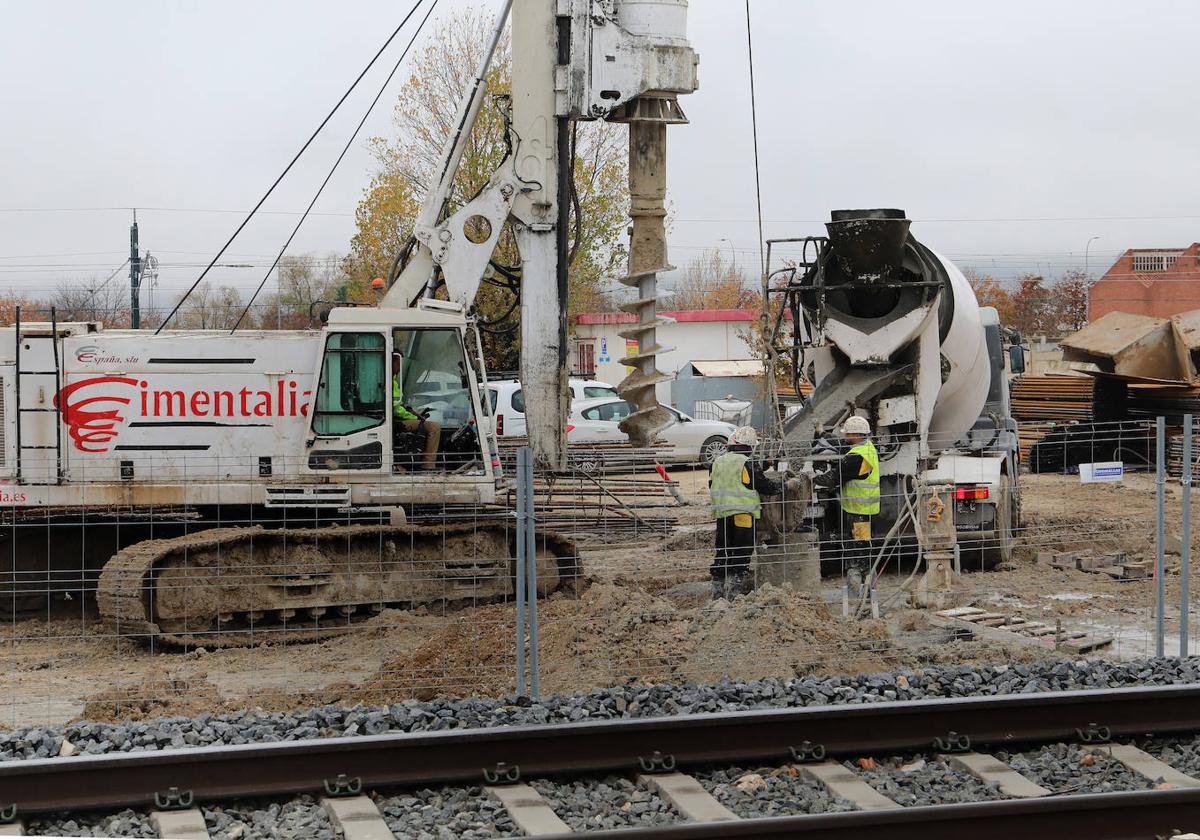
(433, 376)
(351, 393)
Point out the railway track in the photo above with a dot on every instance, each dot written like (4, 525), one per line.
(673, 766)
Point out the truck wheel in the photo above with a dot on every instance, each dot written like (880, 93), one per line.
(713, 448)
(1000, 548)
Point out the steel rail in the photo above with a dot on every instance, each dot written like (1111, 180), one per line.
(1104, 816)
(117, 780)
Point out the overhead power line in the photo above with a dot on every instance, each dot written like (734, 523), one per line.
(288, 168)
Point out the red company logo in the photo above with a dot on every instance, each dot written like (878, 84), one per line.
(92, 420)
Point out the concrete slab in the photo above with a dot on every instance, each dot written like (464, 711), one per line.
(12, 829)
(687, 796)
(187, 824)
(357, 817)
(846, 784)
(988, 768)
(1144, 764)
(529, 811)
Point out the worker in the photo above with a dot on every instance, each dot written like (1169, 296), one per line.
(409, 420)
(857, 478)
(736, 485)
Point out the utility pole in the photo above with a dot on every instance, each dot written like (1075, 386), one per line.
(135, 276)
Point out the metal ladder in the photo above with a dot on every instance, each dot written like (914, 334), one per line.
(22, 411)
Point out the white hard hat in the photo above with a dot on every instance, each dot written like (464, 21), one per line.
(744, 436)
(856, 426)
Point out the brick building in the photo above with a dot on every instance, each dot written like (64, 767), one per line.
(1160, 282)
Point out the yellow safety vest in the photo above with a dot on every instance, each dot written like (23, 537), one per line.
(729, 494)
(398, 407)
(860, 495)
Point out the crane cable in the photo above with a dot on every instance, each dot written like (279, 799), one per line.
(288, 168)
(336, 163)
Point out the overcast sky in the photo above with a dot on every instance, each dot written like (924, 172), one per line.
(1011, 132)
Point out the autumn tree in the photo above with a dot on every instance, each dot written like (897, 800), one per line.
(1071, 298)
(409, 160)
(30, 309)
(90, 300)
(709, 282)
(989, 292)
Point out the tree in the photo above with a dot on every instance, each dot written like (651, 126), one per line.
(708, 282)
(989, 292)
(408, 166)
(30, 309)
(93, 300)
(209, 308)
(1071, 299)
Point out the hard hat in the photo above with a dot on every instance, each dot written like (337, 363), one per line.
(378, 283)
(744, 436)
(856, 426)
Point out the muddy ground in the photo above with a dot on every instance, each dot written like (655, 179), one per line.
(643, 616)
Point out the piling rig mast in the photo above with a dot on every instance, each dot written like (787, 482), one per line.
(573, 60)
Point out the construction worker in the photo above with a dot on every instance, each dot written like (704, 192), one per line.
(407, 419)
(735, 484)
(857, 478)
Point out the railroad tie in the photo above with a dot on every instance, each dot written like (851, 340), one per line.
(988, 768)
(528, 810)
(687, 796)
(357, 817)
(844, 783)
(1144, 764)
(185, 824)
(12, 829)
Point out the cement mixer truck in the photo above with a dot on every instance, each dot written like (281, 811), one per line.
(886, 328)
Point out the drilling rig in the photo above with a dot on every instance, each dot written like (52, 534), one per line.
(125, 454)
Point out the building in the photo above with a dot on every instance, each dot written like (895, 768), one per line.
(709, 334)
(1159, 282)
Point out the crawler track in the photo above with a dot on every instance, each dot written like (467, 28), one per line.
(630, 746)
(236, 586)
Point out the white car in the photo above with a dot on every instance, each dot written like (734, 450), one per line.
(508, 401)
(691, 440)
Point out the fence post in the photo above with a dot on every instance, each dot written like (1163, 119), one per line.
(1185, 539)
(1160, 480)
(523, 491)
(531, 577)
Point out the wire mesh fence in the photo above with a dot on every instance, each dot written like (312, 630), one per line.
(133, 602)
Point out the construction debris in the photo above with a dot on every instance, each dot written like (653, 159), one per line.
(1023, 630)
(1116, 564)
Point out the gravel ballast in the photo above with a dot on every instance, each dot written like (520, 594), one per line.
(292, 819)
(445, 814)
(599, 704)
(924, 780)
(769, 792)
(1068, 768)
(122, 824)
(612, 802)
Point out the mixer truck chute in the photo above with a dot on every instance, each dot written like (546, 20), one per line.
(885, 327)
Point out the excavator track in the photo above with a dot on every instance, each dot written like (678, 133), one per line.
(243, 586)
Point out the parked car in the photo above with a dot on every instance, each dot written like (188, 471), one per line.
(508, 401)
(691, 440)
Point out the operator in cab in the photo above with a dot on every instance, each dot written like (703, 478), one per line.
(408, 419)
(736, 485)
(856, 476)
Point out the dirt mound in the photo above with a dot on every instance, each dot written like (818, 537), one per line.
(159, 694)
(616, 633)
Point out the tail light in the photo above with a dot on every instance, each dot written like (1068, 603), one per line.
(570, 428)
(499, 425)
(970, 494)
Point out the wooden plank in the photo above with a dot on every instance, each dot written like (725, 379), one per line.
(358, 817)
(1144, 764)
(529, 811)
(990, 769)
(844, 783)
(688, 797)
(12, 829)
